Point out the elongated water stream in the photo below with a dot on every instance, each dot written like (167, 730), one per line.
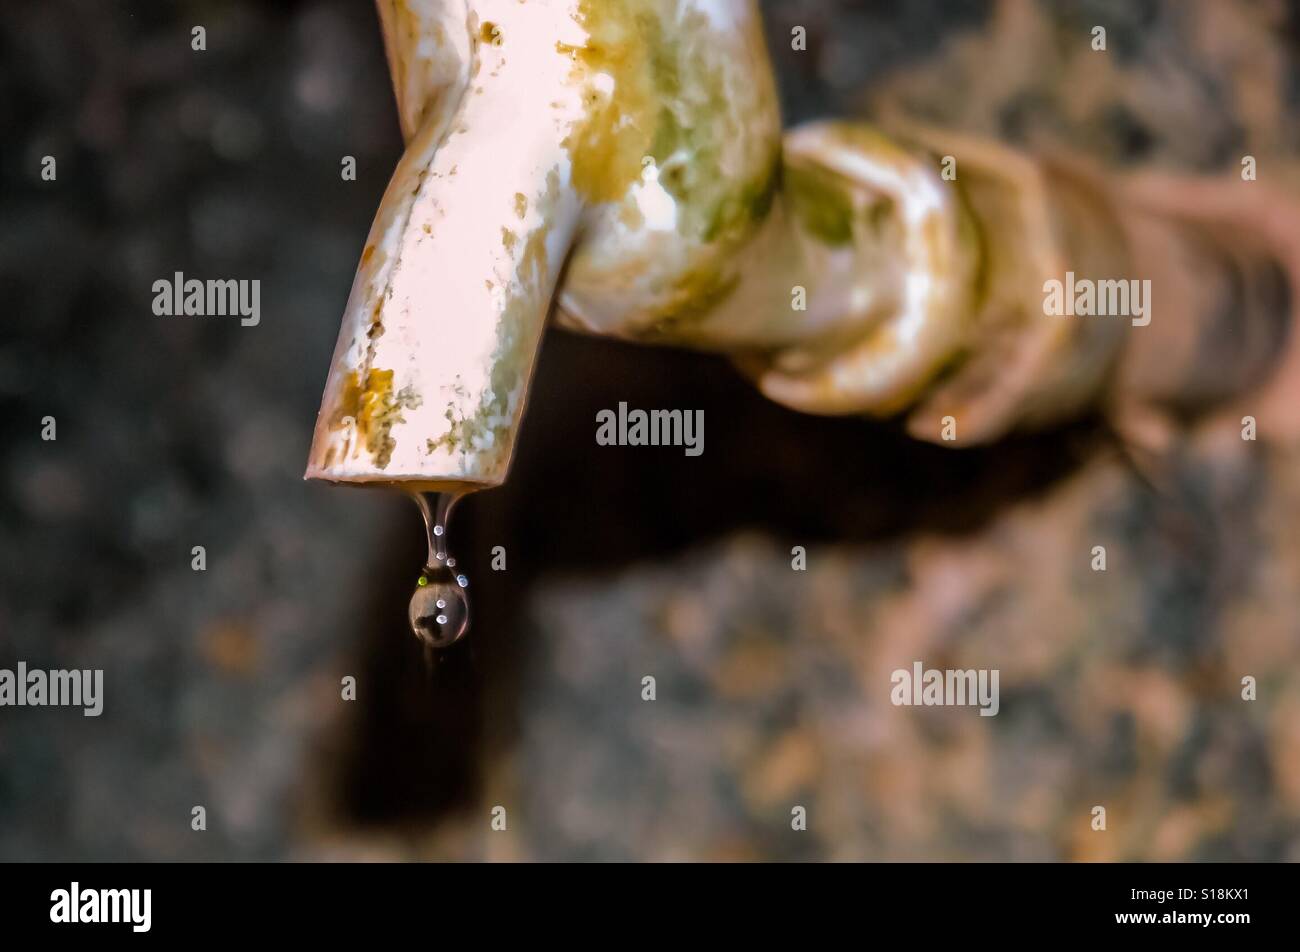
(439, 609)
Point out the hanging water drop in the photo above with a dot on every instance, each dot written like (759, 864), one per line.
(439, 609)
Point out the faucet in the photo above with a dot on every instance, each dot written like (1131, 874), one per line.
(621, 164)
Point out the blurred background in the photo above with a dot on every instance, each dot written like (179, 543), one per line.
(222, 687)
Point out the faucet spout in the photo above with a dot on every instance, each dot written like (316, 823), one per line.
(636, 147)
(439, 337)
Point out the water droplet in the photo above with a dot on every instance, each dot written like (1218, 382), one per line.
(439, 609)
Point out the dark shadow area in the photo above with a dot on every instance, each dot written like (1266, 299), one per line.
(572, 506)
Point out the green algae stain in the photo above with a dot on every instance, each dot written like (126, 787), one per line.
(693, 297)
(820, 203)
(488, 431)
(684, 96)
(739, 210)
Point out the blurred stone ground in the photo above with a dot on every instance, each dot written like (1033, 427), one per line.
(1120, 689)
(172, 432)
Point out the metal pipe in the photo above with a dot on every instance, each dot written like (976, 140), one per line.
(633, 148)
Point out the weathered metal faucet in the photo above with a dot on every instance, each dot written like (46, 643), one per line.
(624, 161)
